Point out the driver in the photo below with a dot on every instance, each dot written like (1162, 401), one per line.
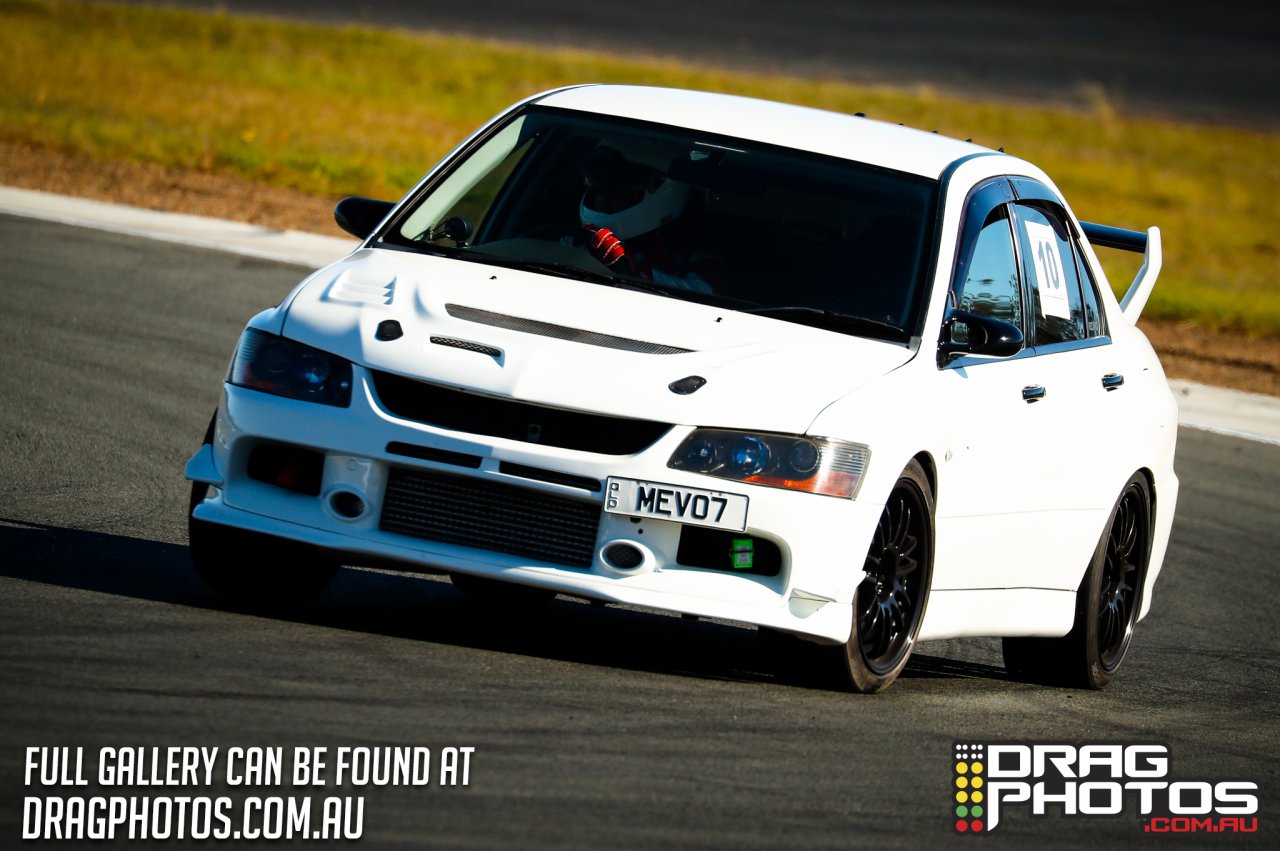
(631, 214)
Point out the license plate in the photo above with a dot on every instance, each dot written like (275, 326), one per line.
(675, 502)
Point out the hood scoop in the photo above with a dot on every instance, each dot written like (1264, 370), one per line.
(559, 332)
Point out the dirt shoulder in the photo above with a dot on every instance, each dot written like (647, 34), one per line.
(1187, 351)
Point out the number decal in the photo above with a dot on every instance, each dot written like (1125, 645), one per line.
(1046, 268)
(1049, 266)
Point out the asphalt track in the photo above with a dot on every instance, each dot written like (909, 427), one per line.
(593, 728)
(1214, 62)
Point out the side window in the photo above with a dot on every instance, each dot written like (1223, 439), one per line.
(1093, 321)
(1053, 282)
(988, 283)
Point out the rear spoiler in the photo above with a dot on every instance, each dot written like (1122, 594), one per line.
(1146, 244)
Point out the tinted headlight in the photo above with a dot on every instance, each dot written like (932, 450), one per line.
(813, 464)
(284, 368)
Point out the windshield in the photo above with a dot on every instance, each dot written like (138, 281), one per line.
(773, 231)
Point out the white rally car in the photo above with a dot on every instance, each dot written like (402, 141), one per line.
(840, 379)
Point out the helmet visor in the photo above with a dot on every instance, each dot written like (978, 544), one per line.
(614, 183)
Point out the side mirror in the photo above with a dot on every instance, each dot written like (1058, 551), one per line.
(456, 228)
(359, 216)
(966, 333)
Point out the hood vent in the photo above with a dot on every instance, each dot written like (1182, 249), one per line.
(346, 288)
(468, 345)
(559, 332)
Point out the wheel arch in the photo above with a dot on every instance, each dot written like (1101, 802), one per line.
(1150, 480)
(925, 459)
(1146, 473)
(1152, 503)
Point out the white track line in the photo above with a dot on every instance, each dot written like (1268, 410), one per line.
(284, 246)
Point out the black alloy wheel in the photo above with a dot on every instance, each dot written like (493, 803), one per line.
(889, 598)
(889, 604)
(1126, 551)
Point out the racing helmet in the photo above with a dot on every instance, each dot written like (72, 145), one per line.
(629, 197)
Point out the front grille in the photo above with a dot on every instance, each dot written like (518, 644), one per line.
(430, 453)
(553, 476)
(458, 410)
(471, 512)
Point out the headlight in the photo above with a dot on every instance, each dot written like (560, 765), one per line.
(284, 368)
(813, 464)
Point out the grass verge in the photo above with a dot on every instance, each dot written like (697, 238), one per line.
(333, 111)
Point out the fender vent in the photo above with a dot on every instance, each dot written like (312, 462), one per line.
(559, 332)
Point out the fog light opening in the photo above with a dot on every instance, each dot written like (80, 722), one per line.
(623, 556)
(347, 504)
(293, 468)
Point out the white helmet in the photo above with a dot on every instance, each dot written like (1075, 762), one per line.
(627, 197)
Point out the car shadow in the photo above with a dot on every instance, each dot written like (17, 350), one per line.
(426, 608)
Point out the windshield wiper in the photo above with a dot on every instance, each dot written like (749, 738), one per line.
(831, 320)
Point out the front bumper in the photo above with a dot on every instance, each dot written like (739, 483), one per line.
(821, 540)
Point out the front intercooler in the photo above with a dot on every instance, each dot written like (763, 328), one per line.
(503, 518)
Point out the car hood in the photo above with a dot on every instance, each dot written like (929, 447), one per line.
(503, 332)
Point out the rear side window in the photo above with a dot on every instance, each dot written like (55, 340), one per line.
(1053, 282)
(1093, 320)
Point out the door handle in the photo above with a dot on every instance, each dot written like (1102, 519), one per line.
(1112, 381)
(1033, 393)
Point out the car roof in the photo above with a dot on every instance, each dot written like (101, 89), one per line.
(804, 128)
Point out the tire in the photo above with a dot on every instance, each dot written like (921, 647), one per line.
(1107, 605)
(889, 604)
(250, 567)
